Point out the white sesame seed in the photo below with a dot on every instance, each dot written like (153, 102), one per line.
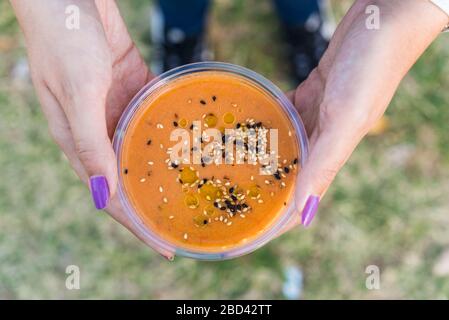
(229, 223)
(143, 180)
(159, 126)
(165, 200)
(186, 236)
(171, 217)
(161, 189)
(150, 163)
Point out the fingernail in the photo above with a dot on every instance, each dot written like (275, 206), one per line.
(100, 191)
(310, 210)
(168, 257)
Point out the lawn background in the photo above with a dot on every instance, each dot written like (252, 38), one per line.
(389, 206)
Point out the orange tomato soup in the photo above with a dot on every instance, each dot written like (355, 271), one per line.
(206, 206)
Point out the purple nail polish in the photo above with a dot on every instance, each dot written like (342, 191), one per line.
(310, 210)
(100, 191)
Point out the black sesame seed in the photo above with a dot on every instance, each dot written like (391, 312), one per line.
(125, 171)
(205, 221)
(148, 142)
(286, 170)
(277, 176)
(231, 190)
(214, 98)
(238, 125)
(175, 123)
(202, 102)
(295, 161)
(233, 197)
(215, 204)
(244, 205)
(191, 127)
(203, 164)
(239, 207)
(174, 165)
(222, 208)
(259, 124)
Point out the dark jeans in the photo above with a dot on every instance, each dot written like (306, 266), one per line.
(190, 15)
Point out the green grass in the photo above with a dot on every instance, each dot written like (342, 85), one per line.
(389, 206)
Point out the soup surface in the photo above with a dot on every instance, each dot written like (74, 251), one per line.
(208, 205)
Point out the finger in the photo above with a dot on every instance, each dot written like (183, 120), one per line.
(307, 97)
(59, 129)
(330, 150)
(86, 116)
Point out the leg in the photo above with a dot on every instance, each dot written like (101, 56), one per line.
(177, 29)
(302, 23)
(187, 16)
(296, 12)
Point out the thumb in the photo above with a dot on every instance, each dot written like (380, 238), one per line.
(329, 151)
(87, 119)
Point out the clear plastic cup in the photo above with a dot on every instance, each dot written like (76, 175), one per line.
(149, 236)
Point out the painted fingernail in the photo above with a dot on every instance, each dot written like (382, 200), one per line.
(310, 210)
(100, 191)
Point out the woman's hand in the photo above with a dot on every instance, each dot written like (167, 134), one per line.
(84, 79)
(353, 85)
